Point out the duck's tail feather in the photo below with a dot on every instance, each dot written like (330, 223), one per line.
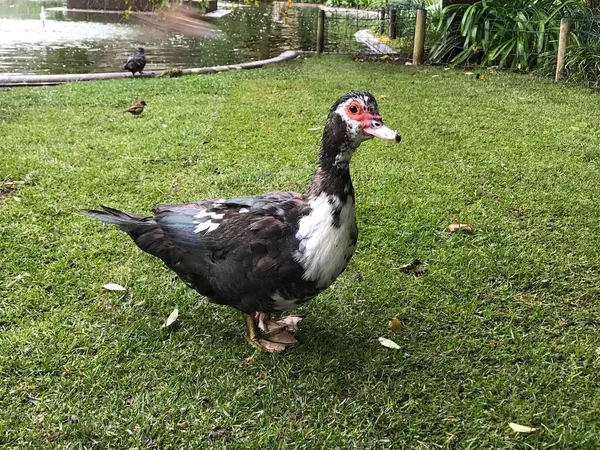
(146, 233)
(132, 224)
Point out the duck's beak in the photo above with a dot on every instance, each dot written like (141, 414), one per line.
(378, 129)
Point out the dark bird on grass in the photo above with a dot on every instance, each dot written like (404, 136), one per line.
(136, 109)
(272, 252)
(136, 62)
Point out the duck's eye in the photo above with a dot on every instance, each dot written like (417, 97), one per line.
(353, 109)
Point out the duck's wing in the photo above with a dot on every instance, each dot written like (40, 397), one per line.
(220, 223)
(238, 250)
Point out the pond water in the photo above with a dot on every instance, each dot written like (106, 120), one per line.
(81, 42)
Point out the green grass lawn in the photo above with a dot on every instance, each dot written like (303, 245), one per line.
(504, 327)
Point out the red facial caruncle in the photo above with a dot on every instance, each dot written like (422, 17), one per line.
(355, 111)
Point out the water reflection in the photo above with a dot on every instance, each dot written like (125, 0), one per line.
(78, 42)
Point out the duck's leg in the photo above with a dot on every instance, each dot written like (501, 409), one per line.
(289, 324)
(280, 331)
(275, 340)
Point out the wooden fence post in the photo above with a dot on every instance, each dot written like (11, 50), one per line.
(392, 31)
(563, 41)
(419, 42)
(321, 31)
(381, 28)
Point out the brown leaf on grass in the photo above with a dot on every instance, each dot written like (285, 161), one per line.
(395, 325)
(575, 128)
(416, 267)
(545, 132)
(521, 428)
(514, 212)
(458, 226)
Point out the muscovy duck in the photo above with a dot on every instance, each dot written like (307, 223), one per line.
(272, 252)
(136, 62)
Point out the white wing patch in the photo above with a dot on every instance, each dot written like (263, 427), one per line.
(324, 249)
(207, 220)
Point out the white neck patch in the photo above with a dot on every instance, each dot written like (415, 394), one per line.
(324, 249)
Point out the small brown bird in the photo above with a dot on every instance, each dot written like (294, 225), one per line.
(136, 109)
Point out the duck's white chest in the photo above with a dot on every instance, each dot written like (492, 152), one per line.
(327, 239)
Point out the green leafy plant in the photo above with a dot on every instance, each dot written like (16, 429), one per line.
(490, 34)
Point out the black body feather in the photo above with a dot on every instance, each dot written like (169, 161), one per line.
(136, 62)
(243, 262)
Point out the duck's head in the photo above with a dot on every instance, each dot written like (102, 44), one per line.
(140, 50)
(357, 112)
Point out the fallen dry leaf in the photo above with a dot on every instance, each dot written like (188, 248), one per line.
(395, 325)
(464, 226)
(415, 267)
(514, 211)
(575, 128)
(381, 97)
(546, 132)
(17, 279)
(388, 343)
(521, 428)
(114, 287)
(479, 76)
(171, 319)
